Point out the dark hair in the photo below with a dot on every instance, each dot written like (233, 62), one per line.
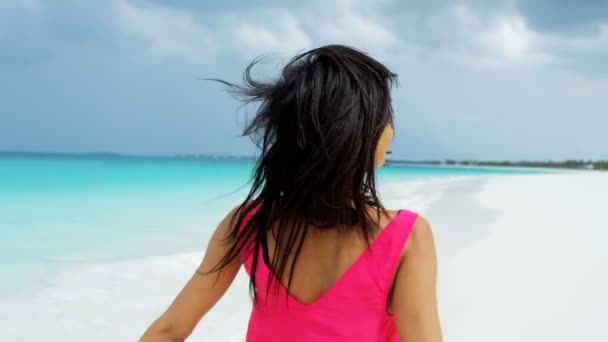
(317, 128)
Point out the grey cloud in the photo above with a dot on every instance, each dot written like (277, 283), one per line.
(568, 22)
(565, 16)
(30, 36)
(87, 85)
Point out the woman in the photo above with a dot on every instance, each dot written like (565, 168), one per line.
(326, 260)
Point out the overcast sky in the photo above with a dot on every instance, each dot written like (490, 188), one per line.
(478, 79)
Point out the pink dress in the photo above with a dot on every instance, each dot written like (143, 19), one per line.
(353, 309)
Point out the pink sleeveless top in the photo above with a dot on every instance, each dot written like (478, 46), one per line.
(353, 309)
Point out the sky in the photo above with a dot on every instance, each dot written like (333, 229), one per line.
(501, 79)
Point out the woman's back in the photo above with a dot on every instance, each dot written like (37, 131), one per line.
(340, 286)
(323, 128)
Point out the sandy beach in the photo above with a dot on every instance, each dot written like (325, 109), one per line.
(521, 258)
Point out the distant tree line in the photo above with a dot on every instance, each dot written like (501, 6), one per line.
(565, 164)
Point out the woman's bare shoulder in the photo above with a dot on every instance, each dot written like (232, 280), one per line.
(421, 238)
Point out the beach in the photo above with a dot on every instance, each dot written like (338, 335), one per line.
(521, 258)
(524, 259)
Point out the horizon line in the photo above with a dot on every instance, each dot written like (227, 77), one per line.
(228, 156)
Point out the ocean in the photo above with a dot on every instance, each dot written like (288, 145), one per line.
(65, 216)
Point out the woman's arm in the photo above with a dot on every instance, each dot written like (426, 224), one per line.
(200, 293)
(414, 297)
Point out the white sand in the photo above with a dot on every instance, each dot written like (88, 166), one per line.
(521, 259)
(524, 259)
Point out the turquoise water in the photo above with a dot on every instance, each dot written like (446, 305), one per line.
(57, 210)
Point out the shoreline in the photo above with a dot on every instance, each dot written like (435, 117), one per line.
(497, 167)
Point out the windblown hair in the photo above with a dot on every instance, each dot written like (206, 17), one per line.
(317, 128)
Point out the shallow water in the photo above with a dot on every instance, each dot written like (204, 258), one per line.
(83, 231)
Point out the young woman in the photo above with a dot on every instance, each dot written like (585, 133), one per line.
(326, 260)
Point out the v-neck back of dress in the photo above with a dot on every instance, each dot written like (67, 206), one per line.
(352, 309)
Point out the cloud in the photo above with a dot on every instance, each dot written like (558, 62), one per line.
(25, 6)
(165, 33)
(574, 33)
(577, 18)
(168, 33)
(272, 32)
(356, 29)
(467, 33)
(461, 34)
(497, 41)
(472, 36)
(30, 5)
(478, 78)
(511, 39)
(23, 34)
(464, 34)
(584, 54)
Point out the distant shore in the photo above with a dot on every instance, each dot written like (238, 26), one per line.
(488, 167)
(601, 165)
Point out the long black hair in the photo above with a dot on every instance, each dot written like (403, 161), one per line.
(317, 128)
